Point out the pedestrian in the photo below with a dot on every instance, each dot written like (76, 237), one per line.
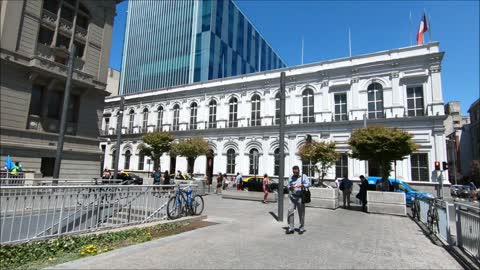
(106, 174)
(265, 184)
(233, 180)
(362, 194)
(239, 181)
(219, 183)
(166, 179)
(225, 181)
(346, 188)
(296, 184)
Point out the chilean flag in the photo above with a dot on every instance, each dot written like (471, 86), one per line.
(422, 29)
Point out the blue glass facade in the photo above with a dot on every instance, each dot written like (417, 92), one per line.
(171, 43)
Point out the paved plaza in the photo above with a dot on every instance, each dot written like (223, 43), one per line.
(246, 236)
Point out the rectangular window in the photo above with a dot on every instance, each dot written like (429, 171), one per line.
(341, 166)
(241, 22)
(219, 18)
(55, 100)
(79, 49)
(341, 107)
(63, 41)
(107, 126)
(67, 14)
(307, 168)
(141, 162)
(51, 5)
(45, 36)
(206, 14)
(415, 101)
(36, 100)
(419, 164)
(73, 109)
(230, 23)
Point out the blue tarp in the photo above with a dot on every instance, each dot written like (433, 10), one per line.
(9, 164)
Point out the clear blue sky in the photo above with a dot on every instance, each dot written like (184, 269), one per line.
(374, 25)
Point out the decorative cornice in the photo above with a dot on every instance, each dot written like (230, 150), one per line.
(435, 68)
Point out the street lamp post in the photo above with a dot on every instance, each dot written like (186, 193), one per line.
(281, 142)
(63, 119)
(119, 136)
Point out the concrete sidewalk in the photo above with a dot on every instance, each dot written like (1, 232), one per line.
(248, 237)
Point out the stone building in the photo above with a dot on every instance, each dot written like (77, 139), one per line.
(239, 115)
(35, 37)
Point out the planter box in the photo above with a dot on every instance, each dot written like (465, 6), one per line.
(248, 195)
(324, 198)
(390, 203)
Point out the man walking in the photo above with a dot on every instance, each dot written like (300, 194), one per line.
(346, 188)
(295, 185)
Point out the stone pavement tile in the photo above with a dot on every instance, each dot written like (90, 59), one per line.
(247, 237)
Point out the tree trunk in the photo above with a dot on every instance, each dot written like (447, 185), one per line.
(190, 164)
(156, 164)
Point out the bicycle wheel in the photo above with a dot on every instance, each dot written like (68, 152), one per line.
(174, 208)
(197, 205)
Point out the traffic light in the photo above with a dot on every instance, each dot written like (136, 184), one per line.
(437, 165)
(445, 166)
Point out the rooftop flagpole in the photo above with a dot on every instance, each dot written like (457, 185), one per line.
(411, 28)
(349, 42)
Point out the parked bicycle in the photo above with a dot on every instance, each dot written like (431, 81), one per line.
(416, 209)
(432, 216)
(184, 203)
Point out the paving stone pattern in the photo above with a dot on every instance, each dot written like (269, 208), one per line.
(248, 237)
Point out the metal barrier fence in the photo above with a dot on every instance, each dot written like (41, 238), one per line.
(28, 213)
(468, 230)
(467, 223)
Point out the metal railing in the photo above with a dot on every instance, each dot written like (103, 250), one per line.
(467, 223)
(468, 229)
(38, 212)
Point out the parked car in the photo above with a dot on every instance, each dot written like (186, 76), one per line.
(469, 191)
(398, 185)
(256, 184)
(456, 190)
(130, 178)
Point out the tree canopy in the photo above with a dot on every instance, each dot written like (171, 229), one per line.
(155, 144)
(381, 144)
(190, 148)
(322, 153)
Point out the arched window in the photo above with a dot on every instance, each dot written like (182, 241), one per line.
(375, 101)
(277, 109)
(141, 161)
(255, 119)
(231, 161)
(160, 119)
(176, 117)
(233, 112)
(131, 118)
(145, 120)
(126, 165)
(253, 161)
(276, 158)
(307, 113)
(193, 116)
(114, 155)
(212, 114)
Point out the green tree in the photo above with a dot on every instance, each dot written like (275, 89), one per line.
(321, 153)
(190, 148)
(155, 144)
(383, 145)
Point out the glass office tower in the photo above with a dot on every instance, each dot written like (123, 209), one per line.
(170, 43)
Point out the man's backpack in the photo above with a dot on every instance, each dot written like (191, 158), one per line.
(342, 186)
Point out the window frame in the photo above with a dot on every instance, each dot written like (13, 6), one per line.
(160, 118)
(126, 163)
(212, 114)
(308, 106)
(255, 119)
(176, 117)
(193, 115)
(252, 169)
(231, 160)
(379, 111)
(339, 115)
(233, 112)
(131, 121)
(145, 114)
(419, 168)
(342, 164)
(415, 109)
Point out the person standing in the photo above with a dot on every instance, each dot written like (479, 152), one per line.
(362, 194)
(346, 188)
(239, 181)
(296, 184)
(166, 179)
(265, 183)
(157, 175)
(219, 183)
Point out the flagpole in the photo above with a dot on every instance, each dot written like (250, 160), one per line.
(349, 42)
(411, 27)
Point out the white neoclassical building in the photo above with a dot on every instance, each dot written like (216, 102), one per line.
(239, 115)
